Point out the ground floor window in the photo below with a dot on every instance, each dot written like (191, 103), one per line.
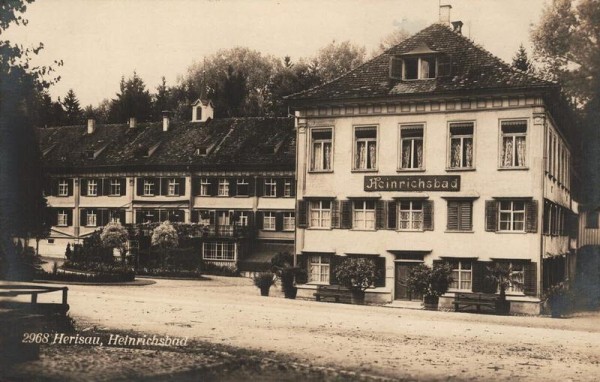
(462, 275)
(319, 268)
(218, 251)
(517, 276)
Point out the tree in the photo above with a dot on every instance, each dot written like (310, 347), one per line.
(335, 59)
(161, 100)
(391, 40)
(521, 60)
(133, 100)
(165, 236)
(73, 112)
(115, 236)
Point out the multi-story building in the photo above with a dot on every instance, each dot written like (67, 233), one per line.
(433, 151)
(234, 176)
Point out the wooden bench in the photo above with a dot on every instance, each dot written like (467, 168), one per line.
(14, 290)
(333, 292)
(482, 302)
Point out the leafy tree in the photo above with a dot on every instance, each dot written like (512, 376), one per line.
(74, 114)
(521, 60)
(133, 100)
(287, 79)
(335, 59)
(165, 236)
(391, 40)
(115, 236)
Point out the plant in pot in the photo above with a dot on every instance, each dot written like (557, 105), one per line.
(431, 282)
(264, 281)
(501, 277)
(560, 299)
(282, 266)
(356, 274)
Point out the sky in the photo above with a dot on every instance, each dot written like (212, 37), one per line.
(101, 40)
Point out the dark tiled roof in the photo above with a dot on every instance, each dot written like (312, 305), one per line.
(242, 143)
(473, 68)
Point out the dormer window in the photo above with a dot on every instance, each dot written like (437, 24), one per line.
(419, 68)
(421, 63)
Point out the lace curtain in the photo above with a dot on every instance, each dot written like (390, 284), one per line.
(520, 157)
(372, 155)
(507, 150)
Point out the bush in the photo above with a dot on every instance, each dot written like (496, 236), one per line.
(220, 270)
(264, 280)
(357, 274)
(560, 298)
(86, 277)
(170, 272)
(430, 282)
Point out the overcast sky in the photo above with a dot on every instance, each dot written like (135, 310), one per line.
(101, 40)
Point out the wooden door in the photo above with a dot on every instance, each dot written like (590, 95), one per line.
(402, 292)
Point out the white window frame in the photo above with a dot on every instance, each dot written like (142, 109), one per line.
(63, 187)
(289, 221)
(92, 187)
(514, 137)
(115, 187)
(322, 142)
(269, 221)
(243, 219)
(419, 68)
(366, 142)
(204, 187)
(363, 218)
(223, 218)
(62, 219)
(460, 276)
(173, 187)
(516, 274)
(413, 214)
(242, 182)
(270, 188)
(223, 187)
(461, 138)
(287, 188)
(407, 127)
(320, 214)
(512, 214)
(149, 187)
(91, 219)
(320, 267)
(219, 250)
(113, 216)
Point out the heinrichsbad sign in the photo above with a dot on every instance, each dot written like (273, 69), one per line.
(413, 183)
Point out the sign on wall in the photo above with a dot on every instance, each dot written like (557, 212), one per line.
(413, 183)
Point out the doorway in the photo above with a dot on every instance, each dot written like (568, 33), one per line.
(401, 285)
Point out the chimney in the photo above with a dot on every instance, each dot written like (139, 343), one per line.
(132, 123)
(457, 26)
(91, 125)
(445, 14)
(166, 120)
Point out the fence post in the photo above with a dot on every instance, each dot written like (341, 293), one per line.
(64, 295)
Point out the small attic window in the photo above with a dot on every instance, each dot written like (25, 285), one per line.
(201, 151)
(89, 154)
(419, 68)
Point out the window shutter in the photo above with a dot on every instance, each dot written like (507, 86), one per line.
(444, 65)
(54, 217)
(491, 215)
(138, 217)
(279, 187)
(105, 188)
(380, 214)
(396, 67)
(122, 218)
(466, 215)
(531, 209)
(335, 214)
(452, 215)
(392, 214)
(123, 183)
(182, 186)
(335, 262)
(293, 185)
(103, 217)
(302, 214)
(251, 217)
(530, 287)
(54, 187)
(70, 186)
(70, 216)
(82, 217)
(194, 216)
(214, 186)
(380, 269)
(164, 186)
(83, 187)
(232, 186)
(478, 273)
(302, 263)
(279, 221)
(212, 218)
(140, 186)
(260, 186)
(260, 218)
(346, 211)
(251, 185)
(195, 186)
(428, 215)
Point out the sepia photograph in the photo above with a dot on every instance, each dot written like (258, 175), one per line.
(279, 190)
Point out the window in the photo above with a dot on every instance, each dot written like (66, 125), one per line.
(320, 214)
(50, 241)
(113, 216)
(173, 187)
(91, 220)
(364, 214)
(218, 251)
(419, 68)
(460, 215)
(63, 187)
(269, 221)
(287, 188)
(514, 138)
(411, 147)
(365, 148)
(242, 219)
(223, 187)
(512, 215)
(92, 187)
(148, 187)
(591, 219)
(270, 187)
(517, 276)
(461, 145)
(115, 187)
(321, 150)
(62, 218)
(462, 275)
(242, 187)
(319, 269)
(204, 217)
(289, 221)
(204, 186)
(223, 218)
(410, 215)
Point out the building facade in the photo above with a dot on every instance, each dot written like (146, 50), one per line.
(232, 177)
(434, 151)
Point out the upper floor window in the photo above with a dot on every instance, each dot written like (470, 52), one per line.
(149, 187)
(512, 215)
(269, 221)
(242, 187)
(321, 150)
(410, 215)
(289, 221)
(92, 187)
(460, 215)
(63, 187)
(204, 186)
(115, 187)
(418, 68)
(287, 188)
(365, 148)
(461, 145)
(173, 187)
(411, 147)
(320, 214)
(223, 189)
(270, 187)
(62, 218)
(364, 214)
(514, 148)
(91, 220)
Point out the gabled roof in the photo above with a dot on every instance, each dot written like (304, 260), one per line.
(473, 69)
(241, 143)
(204, 102)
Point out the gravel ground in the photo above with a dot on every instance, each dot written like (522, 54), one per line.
(326, 341)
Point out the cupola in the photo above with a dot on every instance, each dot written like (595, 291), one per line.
(202, 110)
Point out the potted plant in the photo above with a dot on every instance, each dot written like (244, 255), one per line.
(560, 299)
(501, 277)
(282, 266)
(356, 274)
(264, 281)
(431, 282)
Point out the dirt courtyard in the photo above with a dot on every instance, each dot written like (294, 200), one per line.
(378, 341)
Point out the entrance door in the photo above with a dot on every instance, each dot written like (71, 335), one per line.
(402, 292)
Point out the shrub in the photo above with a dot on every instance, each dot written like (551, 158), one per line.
(165, 236)
(115, 236)
(560, 298)
(357, 274)
(264, 280)
(170, 272)
(86, 277)
(220, 270)
(430, 282)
